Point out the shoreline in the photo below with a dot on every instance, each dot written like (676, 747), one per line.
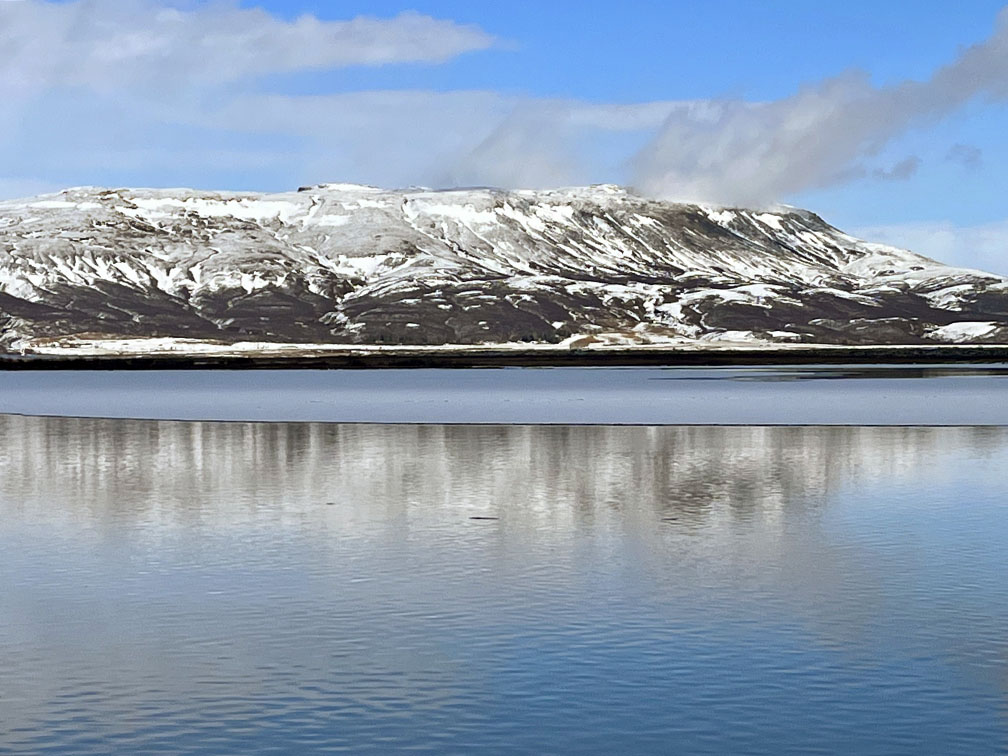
(371, 358)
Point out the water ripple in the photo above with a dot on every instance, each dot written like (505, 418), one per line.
(243, 588)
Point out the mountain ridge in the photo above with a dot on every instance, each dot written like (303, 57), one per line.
(356, 265)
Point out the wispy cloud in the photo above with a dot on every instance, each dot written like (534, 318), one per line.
(967, 155)
(450, 138)
(541, 143)
(94, 89)
(754, 153)
(901, 171)
(111, 45)
(112, 90)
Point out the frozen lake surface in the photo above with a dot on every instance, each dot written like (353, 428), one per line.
(858, 395)
(171, 587)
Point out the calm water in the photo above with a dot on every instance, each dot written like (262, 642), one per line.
(256, 588)
(811, 395)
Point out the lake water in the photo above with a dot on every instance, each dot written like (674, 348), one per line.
(833, 395)
(195, 587)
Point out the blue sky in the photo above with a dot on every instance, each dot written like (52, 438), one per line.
(723, 101)
(635, 51)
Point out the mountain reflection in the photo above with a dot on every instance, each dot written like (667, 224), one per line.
(182, 585)
(227, 474)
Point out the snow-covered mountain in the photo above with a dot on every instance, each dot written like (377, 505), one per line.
(344, 264)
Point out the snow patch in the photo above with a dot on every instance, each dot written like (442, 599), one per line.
(958, 333)
(722, 218)
(769, 219)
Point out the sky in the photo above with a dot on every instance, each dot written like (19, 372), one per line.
(886, 118)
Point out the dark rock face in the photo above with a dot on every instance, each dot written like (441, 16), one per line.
(354, 265)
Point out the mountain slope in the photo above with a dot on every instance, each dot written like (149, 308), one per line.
(357, 265)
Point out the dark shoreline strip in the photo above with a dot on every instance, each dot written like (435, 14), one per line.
(503, 358)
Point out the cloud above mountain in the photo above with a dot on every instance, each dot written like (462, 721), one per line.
(752, 153)
(116, 45)
(157, 92)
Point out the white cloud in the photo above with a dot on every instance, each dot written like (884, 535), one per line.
(983, 247)
(453, 138)
(139, 91)
(755, 153)
(544, 143)
(111, 45)
(276, 141)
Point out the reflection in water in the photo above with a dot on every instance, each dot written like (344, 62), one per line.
(776, 374)
(227, 473)
(208, 587)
